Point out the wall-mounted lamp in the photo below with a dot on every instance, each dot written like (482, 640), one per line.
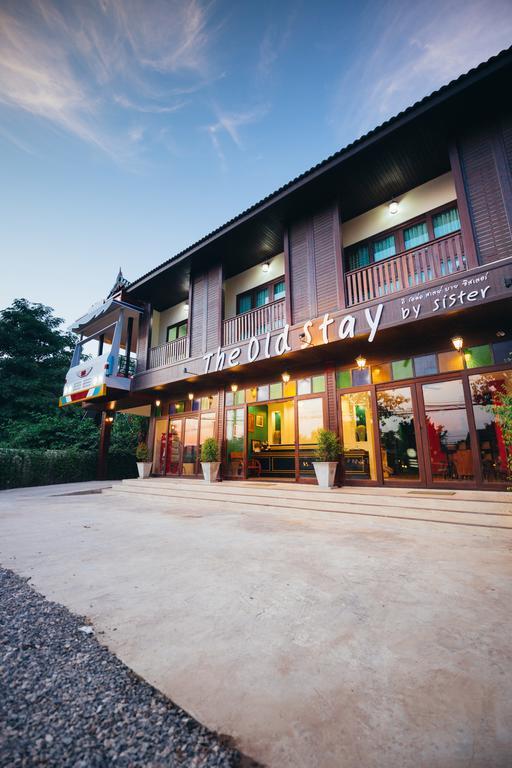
(393, 207)
(110, 419)
(265, 266)
(285, 377)
(361, 362)
(186, 306)
(157, 403)
(191, 396)
(500, 334)
(234, 387)
(458, 342)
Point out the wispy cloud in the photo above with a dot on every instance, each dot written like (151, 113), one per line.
(229, 124)
(72, 63)
(274, 42)
(407, 51)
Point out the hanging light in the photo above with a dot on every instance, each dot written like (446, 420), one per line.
(361, 361)
(234, 387)
(393, 207)
(265, 266)
(190, 396)
(285, 377)
(157, 403)
(458, 342)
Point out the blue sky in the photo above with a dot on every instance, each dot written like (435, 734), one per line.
(129, 129)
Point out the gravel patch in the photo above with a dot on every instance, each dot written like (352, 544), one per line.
(65, 700)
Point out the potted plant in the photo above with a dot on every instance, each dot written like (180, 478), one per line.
(327, 455)
(143, 463)
(210, 459)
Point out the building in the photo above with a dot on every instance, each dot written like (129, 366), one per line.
(370, 295)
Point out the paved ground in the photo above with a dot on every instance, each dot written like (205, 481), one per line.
(67, 701)
(316, 640)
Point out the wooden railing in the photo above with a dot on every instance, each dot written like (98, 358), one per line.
(258, 321)
(410, 269)
(169, 353)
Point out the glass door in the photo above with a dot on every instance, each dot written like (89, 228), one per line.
(310, 418)
(235, 438)
(449, 457)
(397, 423)
(190, 453)
(174, 448)
(357, 429)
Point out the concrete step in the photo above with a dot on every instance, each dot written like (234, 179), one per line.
(500, 504)
(222, 495)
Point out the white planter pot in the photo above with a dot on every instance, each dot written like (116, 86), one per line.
(144, 468)
(325, 472)
(210, 470)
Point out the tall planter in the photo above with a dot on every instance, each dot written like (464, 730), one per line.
(325, 472)
(210, 460)
(327, 455)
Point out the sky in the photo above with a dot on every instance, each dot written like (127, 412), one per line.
(131, 128)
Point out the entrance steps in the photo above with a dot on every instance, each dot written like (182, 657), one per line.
(490, 509)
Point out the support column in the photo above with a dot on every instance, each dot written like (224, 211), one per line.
(107, 419)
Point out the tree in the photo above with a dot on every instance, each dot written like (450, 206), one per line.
(34, 358)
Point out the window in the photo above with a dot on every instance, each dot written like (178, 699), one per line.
(261, 295)
(358, 256)
(384, 248)
(446, 222)
(177, 331)
(415, 235)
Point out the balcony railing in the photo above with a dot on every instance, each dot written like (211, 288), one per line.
(258, 321)
(169, 353)
(410, 269)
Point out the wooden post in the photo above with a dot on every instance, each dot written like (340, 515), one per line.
(129, 333)
(106, 429)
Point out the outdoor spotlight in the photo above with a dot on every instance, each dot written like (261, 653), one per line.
(361, 361)
(458, 342)
(500, 334)
(393, 206)
(190, 395)
(157, 403)
(285, 377)
(234, 387)
(265, 266)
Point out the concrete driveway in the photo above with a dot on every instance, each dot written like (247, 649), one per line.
(316, 640)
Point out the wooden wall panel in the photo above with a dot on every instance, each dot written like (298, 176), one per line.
(314, 259)
(481, 161)
(299, 254)
(325, 255)
(214, 307)
(198, 315)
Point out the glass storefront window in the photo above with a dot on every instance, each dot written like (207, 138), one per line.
(239, 398)
(397, 434)
(486, 390)
(209, 403)
(477, 357)
(402, 369)
(173, 458)
(251, 395)
(318, 384)
(264, 393)
(190, 446)
(304, 386)
(358, 438)
(502, 352)
(360, 376)
(450, 361)
(290, 389)
(446, 419)
(235, 431)
(343, 379)
(381, 373)
(178, 407)
(425, 365)
(230, 397)
(276, 390)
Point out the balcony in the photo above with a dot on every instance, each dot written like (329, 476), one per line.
(411, 269)
(256, 322)
(169, 353)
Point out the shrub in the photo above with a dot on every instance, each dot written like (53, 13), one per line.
(23, 467)
(328, 448)
(141, 452)
(210, 450)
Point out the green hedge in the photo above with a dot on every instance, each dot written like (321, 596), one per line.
(20, 468)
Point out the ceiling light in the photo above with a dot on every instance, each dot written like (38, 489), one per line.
(234, 387)
(265, 266)
(285, 377)
(393, 207)
(458, 342)
(157, 403)
(190, 396)
(500, 334)
(361, 361)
